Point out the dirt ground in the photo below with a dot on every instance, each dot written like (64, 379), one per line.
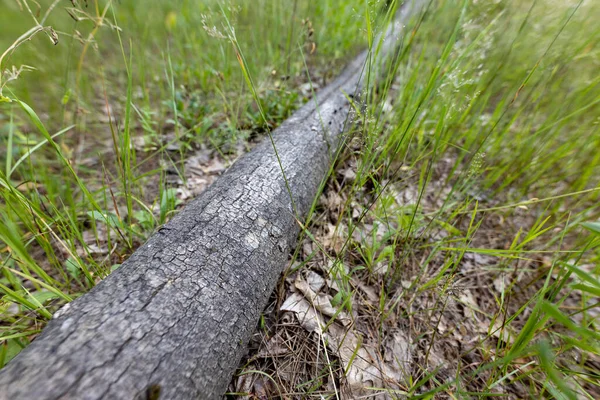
(399, 326)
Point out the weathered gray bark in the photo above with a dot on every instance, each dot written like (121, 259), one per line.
(176, 316)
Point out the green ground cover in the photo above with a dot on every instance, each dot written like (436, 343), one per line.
(464, 213)
(100, 98)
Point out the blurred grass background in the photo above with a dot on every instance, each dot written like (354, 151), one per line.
(114, 94)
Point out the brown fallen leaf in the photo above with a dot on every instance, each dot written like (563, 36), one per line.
(307, 316)
(321, 301)
(275, 347)
(315, 281)
(360, 364)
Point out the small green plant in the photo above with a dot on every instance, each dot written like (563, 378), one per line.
(94, 120)
(467, 185)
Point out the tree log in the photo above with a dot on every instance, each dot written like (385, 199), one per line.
(174, 320)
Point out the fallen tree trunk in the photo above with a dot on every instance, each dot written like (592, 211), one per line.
(174, 320)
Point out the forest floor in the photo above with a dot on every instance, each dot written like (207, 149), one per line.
(454, 251)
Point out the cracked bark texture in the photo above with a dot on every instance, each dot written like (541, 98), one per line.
(174, 320)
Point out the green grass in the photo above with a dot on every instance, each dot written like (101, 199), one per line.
(488, 117)
(92, 118)
(494, 105)
(479, 142)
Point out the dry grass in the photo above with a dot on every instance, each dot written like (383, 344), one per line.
(447, 257)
